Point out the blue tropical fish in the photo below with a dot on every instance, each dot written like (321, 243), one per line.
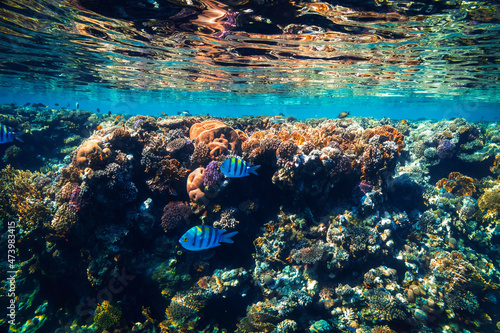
(202, 237)
(7, 135)
(236, 167)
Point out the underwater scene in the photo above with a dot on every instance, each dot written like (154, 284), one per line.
(279, 166)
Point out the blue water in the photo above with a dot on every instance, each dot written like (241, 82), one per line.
(224, 105)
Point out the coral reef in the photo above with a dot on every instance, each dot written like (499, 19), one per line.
(349, 232)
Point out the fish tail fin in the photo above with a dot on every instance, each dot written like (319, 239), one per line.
(253, 168)
(226, 238)
(18, 137)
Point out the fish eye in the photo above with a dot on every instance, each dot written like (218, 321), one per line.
(185, 239)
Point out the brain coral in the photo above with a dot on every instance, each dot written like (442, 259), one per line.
(218, 136)
(90, 153)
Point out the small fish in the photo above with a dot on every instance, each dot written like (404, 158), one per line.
(117, 117)
(236, 167)
(98, 110)
(109, 113)
(77, 105)
(343, 114)
(277, 119)
(184, 113)
(7, 135)
(202, 237)
(138, 122)
(163, 113)
(99, 127)
(56, 104)
(46, 106)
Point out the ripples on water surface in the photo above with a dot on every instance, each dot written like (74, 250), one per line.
(443, 49)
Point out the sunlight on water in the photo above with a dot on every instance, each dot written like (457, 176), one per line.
(161, 51)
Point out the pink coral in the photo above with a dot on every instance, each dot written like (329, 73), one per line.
(219, 137)
(194, 186)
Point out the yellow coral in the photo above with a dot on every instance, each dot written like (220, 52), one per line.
(489, 204)
(107, 315)
(20, 198)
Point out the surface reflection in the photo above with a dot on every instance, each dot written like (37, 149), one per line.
(254, 46)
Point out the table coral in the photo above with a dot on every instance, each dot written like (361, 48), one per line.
(219, 137)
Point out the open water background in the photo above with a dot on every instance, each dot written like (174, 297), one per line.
(400, 59)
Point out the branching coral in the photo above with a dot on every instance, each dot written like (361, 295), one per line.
(22, 200)
(168, 170)
(383, 306)
(456, 271)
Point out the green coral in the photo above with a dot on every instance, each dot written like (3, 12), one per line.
(107, 315)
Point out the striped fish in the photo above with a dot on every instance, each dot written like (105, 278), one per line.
(236, 167)
(202, 237)
(7, 135)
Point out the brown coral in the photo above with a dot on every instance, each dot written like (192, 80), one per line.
(194, 186)
(489, 204)
(457, 184)
(218, 136)
(64, 219)
(90, 153)
(386, 133)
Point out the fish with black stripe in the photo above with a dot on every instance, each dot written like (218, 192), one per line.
(202, 237)
(8, 135)
(235, 167)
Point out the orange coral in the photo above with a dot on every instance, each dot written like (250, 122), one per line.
(218, 136)
(194, 186)
(495, 167)
(90, 152)
(457, 184)
(386, 133)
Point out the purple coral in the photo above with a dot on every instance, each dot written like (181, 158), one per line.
(174, 213)
(445, 148)
(75, 200)
(212, 174)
